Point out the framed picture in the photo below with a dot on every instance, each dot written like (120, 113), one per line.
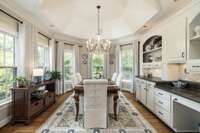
(84, 58)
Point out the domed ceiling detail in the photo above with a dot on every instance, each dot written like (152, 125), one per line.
(78, 18)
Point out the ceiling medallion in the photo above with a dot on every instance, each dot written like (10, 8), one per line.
(98, 45)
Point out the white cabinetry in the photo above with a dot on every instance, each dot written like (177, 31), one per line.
(138, 88)
(150, 95)
(145, 93)
(174, 39)
(163, 106)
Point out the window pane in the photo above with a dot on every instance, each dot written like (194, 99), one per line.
(127, 63)
(9, 58)
(1, 57)
(1, 40)
(68, 65)
(97, 65)
(9, 43)
(41, 56)
(6, 82)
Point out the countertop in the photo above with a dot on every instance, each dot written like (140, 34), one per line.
(153, 79)
(191, 91)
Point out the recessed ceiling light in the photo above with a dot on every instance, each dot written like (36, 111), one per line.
(52, 26)
(145, 26)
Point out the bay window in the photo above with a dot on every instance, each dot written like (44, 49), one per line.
(43, 56)
(98, 65)
(68, 64)
(127, 66)
(8, 36)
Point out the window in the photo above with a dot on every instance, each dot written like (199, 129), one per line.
(97, 65)
(8, 35)
(43, 57)
(68, 64)
(7, 55)
(127, 66)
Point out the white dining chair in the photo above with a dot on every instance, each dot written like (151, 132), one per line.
(114, 77)
(95, 103)
(75, 83)
(79, 77)
(111, 97)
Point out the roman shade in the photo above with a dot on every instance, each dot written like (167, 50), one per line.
(8, 24)
(42, 41)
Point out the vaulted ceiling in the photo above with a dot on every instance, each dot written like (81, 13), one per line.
(119, 18)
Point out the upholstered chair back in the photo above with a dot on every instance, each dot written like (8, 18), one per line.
(114, 77)
(95, 103)
(79, 77)
(74, 80)
(118, 80)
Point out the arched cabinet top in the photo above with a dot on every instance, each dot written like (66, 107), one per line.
(152, 42)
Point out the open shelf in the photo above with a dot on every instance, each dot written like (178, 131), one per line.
(195, 38)
(153, 50)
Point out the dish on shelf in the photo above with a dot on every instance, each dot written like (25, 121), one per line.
(197, 30)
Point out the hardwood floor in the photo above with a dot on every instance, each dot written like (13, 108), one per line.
(31, 128)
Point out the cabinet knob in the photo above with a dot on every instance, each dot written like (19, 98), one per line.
(175, 99)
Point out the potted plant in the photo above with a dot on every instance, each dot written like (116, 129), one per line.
(56, 75)
(21, 82)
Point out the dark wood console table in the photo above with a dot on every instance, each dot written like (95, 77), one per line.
(25, 108)
(112, 89)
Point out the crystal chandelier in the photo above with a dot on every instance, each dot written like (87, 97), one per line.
(98, 45)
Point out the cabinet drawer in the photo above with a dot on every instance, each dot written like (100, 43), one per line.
(162, 94)
(163, 103)
(36, 106)
(49, 99)
(162, 114)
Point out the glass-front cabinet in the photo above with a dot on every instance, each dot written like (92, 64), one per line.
(193, 62)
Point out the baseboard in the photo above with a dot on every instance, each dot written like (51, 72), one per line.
(5, 121)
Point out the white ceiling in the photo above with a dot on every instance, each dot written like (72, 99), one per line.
(78, 18)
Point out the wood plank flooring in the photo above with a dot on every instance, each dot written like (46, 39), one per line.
(31, 128)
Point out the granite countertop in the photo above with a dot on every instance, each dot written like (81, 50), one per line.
(153, 79)
(191, 91)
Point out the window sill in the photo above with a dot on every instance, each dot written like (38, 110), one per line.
(5, 102)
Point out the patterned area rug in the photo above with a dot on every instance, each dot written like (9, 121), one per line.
(129, 120)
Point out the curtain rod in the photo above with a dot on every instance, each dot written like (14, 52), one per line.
(11, 16)
(72, 44)
(44, 35)
(69, 44)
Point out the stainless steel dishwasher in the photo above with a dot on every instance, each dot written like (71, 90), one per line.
(186, 115)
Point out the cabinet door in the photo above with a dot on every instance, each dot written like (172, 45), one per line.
(174, 38)
(143, 93)
(150, 98)
(138, 89)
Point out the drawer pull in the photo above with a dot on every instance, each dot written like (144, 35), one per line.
(160, 93)
(160, 112)
(160, 102)
(175, 100)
